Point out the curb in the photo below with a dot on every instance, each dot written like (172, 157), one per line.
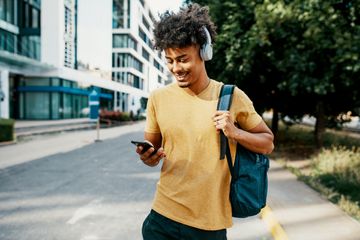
(8, 143)
(273, 225)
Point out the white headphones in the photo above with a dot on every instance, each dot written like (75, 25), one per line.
(206, 50)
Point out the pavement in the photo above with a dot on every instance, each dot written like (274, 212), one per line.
(24, 128)
(294, 210)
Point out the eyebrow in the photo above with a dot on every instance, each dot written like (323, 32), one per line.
(178, 57)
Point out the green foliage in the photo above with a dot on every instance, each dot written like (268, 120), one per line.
(334, 171)
(338, 169)
(290, 55)
(6, 130)
(339, 165)
(296, 142)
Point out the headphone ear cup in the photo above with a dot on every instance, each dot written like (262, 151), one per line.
(206, 52)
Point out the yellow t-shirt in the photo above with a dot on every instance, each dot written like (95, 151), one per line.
(194, 184)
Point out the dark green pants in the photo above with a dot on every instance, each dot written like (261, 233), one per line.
(158, 227)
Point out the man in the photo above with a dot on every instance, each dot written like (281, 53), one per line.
(192, 198)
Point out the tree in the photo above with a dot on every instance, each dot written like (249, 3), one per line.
(296, 56)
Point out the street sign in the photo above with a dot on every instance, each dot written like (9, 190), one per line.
(94, 102)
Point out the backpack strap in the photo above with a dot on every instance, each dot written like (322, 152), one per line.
(224, 103)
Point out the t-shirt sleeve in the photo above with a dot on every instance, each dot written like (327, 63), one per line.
(246, 115)
(151, 125)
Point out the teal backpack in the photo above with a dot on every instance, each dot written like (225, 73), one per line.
(249, 183)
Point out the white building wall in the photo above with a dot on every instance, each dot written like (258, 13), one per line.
(58, 43)
(52, 32)
(4, 87)
(150, 73)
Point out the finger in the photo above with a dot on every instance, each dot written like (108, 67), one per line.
(149, 156)
(155, 159)
(219, 113)
(139, 149)
(147, 153)
(220, 127)
(222, 116)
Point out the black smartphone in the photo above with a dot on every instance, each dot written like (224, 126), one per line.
(145, 146)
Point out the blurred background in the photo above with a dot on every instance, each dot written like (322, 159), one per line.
(86, 64)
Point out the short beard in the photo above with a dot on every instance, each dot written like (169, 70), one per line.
(184, 85)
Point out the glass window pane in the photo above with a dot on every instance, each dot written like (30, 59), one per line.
(2, 9)
(55, 105)
(67, 106)
(37, 82)
(66, 83)
(37, 105)
(35, 18)
(55, 82)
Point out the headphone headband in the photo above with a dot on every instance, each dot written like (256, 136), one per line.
(208, 36)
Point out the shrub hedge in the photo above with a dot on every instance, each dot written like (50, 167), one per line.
(6, 130)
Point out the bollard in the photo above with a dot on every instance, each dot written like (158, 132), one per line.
(98, 130)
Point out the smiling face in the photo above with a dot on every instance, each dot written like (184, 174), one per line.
(187, 67)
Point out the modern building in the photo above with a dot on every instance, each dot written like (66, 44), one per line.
(39, 75)
(134, 62)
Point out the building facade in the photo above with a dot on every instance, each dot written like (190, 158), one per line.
(134, 62)
(39, 76)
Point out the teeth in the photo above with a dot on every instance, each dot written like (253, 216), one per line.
(181, 76)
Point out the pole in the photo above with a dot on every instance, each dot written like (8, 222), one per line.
(98, 130)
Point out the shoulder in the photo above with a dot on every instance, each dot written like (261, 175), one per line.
(241, 96)
(216, 86)
(159, 92)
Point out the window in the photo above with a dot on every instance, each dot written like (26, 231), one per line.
(118, 14)
(145, 38)
(128, 79)
(128, 14)
(2, 9)
(35, 22)
(36, 105)
(7, 11)
(125, 60)
(67, 21)
(156, 64)
(31, 14)
(8, 41)
(142, 35)
(152, 17)
(124, 41)
(146, 24)
(145, 54)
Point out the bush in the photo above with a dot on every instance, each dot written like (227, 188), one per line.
(332, 171)
(339, 168)
(6, 130)
(113, 116)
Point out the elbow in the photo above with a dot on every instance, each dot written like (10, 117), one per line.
(267, 150)
(269, 147)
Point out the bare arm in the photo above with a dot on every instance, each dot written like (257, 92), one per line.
(155, 139)
(258, 139)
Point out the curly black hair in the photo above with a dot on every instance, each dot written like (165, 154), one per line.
(184, 28)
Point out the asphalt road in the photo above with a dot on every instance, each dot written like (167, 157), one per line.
(96, 191)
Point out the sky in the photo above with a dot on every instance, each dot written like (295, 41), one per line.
(162, 5)
(95, 26)
(94, 33)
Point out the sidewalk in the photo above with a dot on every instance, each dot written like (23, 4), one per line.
(303, 213)
(27, 127)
